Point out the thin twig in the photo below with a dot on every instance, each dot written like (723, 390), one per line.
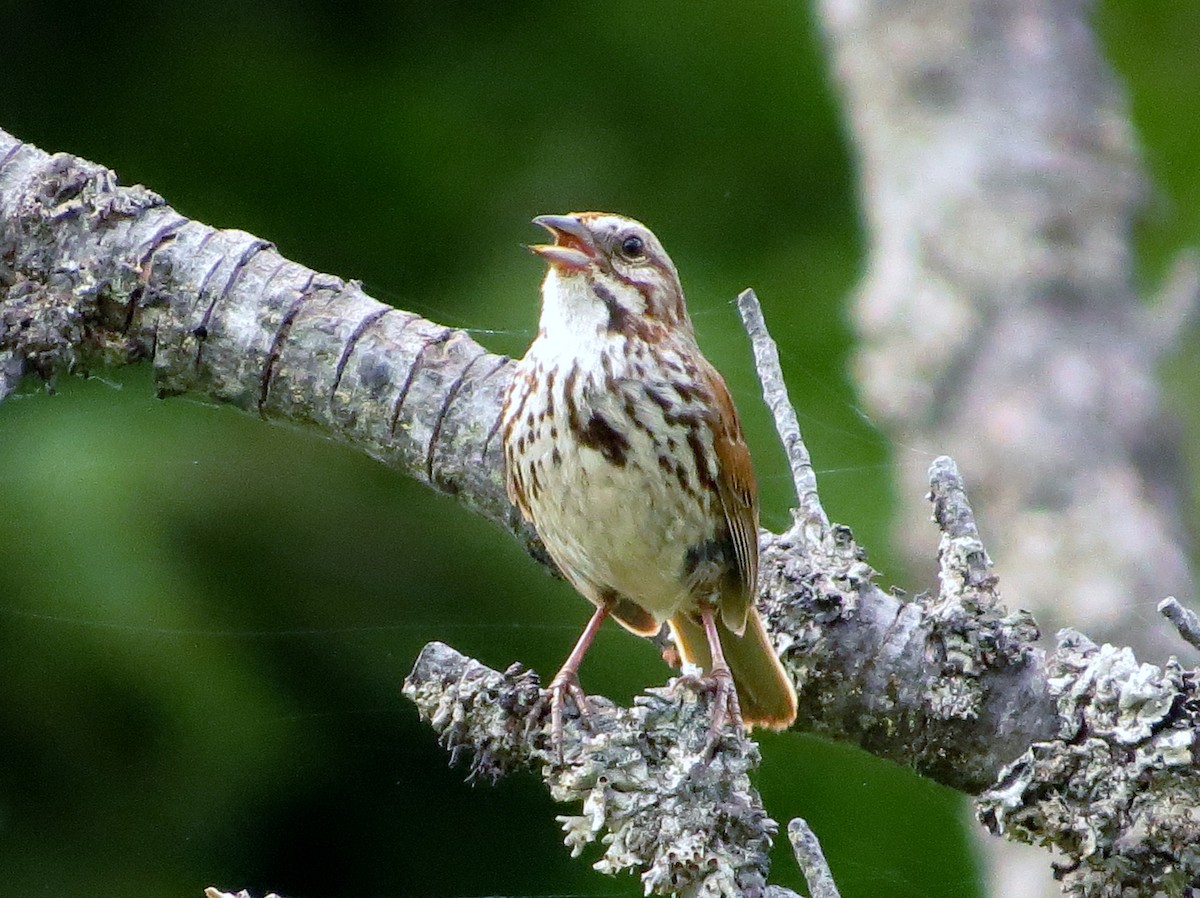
(770, 375)
(811, 859)
(963, 563)
(951, 509)
(1185, 621)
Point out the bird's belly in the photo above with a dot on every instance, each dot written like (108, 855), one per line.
(623, 527)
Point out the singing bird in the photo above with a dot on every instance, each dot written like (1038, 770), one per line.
(624, 451)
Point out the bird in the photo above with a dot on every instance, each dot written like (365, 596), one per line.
(624, 451)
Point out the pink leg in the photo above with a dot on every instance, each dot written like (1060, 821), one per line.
(726, 703)
(566, 681)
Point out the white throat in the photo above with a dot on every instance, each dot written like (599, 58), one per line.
(569, 309)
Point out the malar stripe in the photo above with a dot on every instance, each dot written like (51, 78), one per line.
(620, 321)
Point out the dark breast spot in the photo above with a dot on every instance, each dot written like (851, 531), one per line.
(535, 482)
(685, 482)
(630, 408)
(658, 398)
(600, 435)
(682, 417)
(700, 458)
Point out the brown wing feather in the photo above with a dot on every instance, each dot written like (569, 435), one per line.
(739, 499)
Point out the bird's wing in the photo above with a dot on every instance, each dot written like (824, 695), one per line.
(738, 491)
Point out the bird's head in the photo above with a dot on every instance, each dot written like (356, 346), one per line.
(610, 270)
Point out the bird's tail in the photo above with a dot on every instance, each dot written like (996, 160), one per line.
(765, 692)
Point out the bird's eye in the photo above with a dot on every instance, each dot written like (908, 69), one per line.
(633, 247)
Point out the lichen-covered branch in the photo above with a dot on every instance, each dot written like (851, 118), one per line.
(1187, 622)
(999, 321)
(648, 782)
(950, 684)
(1117, 790)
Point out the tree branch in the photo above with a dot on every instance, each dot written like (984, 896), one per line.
(775, 395)
(1185, 621)
(951, 684)
(811, 859)
(667, 804)
(95, 275)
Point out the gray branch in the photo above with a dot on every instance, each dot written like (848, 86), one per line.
(811, 859)
(1089, 751)
(95, 275)
(1186, 622)
(666, 803)
(770, 375)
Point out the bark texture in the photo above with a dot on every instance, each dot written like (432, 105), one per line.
(950, 684)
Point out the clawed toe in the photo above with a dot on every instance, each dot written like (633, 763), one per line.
(563, 687)
(726, 712)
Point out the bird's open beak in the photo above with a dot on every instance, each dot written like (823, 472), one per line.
(572, 250)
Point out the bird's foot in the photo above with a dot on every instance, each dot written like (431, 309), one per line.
(726, 712)
(563, 688)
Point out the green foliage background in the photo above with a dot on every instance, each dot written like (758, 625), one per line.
(204, 621)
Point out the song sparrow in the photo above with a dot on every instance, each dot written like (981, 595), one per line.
(623, 449)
